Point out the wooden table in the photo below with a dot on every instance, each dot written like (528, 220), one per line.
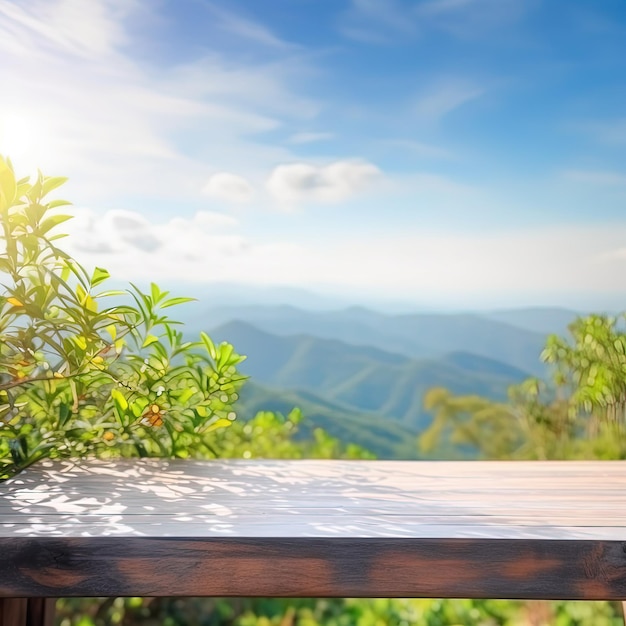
(155, 527)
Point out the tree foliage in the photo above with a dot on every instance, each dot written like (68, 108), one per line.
(332, 612)
(590, 368)
(276, 436)
(579, 413)
(88, 370)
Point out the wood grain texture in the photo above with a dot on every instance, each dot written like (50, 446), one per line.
(27, 611)
(314, 567)
(315, 528)
(40, 612)
(13, 611)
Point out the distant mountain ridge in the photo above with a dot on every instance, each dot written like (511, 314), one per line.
(419, 335)
(362, 374)
(363, 379)
(539, 320)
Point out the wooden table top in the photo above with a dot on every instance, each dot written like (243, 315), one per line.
(315, 528)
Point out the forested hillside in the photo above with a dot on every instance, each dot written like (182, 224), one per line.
(386, 438)
(363, 375)
(361, 378)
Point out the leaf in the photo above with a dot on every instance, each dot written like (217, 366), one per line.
(57, 203)
(144, 305)
(176, 301)
(34, 213)
(34, 193)
(79, 271)
(220, 423)
(99, 275)
(160, 350)
(149, 340)
(14, 301)
(65, 413)
(80, 341)
(108, 294)
(156, 293)
(90, 304)
(52, 182)
(224, 354)
(186, 395)
(208, 343)
(81, 293)
(121, 404)
(52, 221)
(8, 186)
(138, 406)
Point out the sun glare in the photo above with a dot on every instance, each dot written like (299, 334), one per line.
(24, 140)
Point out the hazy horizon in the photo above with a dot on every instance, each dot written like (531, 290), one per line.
(330, 298)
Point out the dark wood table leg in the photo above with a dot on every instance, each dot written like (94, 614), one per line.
(27, 611)
(40, 612)
(13, 611)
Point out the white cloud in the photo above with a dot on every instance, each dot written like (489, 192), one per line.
(89, 30)
(444, 97)
(76, 101)
(116, 231)
(132, 247)
(302, 182)
(308, 137)
(549, 265)
(419, 148)
(612, 132)
(471, 18)
(596, 177)
(383, 21)
(207, 221)
(245, 28)
(229, 187)
(133, 229)
(617, 254)
(552, 265)
(377, 21)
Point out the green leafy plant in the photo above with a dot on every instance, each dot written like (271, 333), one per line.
(590, 366)
(579, 413)
(85, 370)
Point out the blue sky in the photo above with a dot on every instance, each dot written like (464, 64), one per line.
(463, 153)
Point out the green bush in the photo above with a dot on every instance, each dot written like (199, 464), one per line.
(85, 370)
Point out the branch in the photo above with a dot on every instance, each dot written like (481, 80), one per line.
(34, 379)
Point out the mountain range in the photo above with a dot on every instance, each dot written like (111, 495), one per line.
(362, 374)
(417, 335)
(363, 378)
